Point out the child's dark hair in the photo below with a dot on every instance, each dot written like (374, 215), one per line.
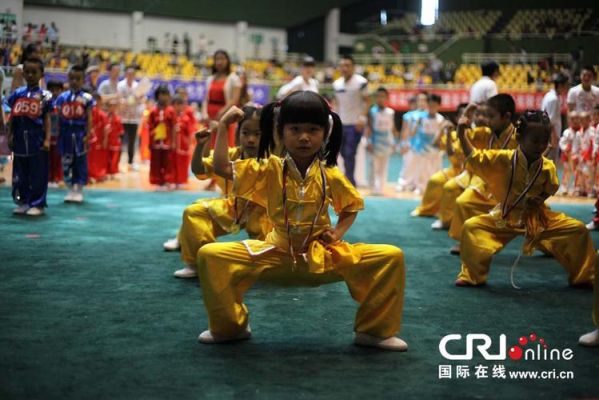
(489, 68)
(249, 112)
(503, 103)
(77, 68)
(162, 89)
(54, 84)
(301, 107)
(533, 117)
(96, 95)
(381, 89)
(35, 60)
(434, 98)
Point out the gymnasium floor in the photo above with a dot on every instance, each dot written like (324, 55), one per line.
(89, 309)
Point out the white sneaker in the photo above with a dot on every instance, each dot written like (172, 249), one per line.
(35, 211)
(186, 273)
(172, 245)
(414, 213)
(437, 225)
(69, 197)
(77, 197)
(20, 210)
(591, 226)
(391, 343)
(590, 339)
(207, 337)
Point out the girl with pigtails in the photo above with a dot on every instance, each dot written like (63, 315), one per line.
(297, 189)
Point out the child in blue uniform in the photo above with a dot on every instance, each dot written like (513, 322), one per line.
(29, 139)
(74, 110)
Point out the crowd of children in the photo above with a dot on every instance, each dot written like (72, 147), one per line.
(281, 180)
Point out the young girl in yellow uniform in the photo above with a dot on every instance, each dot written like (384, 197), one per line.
(521, 180)
(297, 190)
(207, 219)
(477, 199)
(479, 137)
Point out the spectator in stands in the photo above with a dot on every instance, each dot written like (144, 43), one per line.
(304, 81)
(130, 112)
(552, 106)
(187, 45)
(109, 88)
(585, 96)
(485, 87)
(223, 89)
(352, 102)
(53, 35)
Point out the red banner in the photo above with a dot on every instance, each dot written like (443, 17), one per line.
(451, 98)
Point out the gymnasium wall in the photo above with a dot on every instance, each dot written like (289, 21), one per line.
(113, 29)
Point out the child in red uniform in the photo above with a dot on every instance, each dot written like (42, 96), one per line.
(56, 175)
(97, 157)
(161, 123)
(181, 154)
(115, 132)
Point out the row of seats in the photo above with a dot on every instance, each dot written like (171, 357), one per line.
(549, 21)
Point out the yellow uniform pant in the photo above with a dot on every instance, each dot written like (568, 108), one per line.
(197, 229)
(226, 271)
(431, 199)
(451, 191)
(468, 204)
(567, 239)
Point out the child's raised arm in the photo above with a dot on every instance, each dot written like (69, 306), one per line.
(222, 166)
(201, 150)
(464, 123)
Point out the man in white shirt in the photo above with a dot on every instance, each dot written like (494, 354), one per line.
(304, 81)
(130, 112)
(552, 105)
(584, 97)
(108, 88)
(352, 104)
(485, 87)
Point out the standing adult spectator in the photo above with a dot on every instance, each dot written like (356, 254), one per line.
(53, 35)
(108, 89)
(187, 45)
(223, 89)
(552, 105)
(585, 96)
(130, 112)
(304, 81)
(485, 87)
(352, 103)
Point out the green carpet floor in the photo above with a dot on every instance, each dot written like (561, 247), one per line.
(89, 309)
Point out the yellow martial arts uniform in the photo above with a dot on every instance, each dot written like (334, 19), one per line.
(374, 274)
(509, 178)
(431, 199)
(206, 219)
(476, 198)
(479, 138)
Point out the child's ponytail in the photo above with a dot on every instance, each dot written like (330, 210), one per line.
(333, 140)
(267, 129)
